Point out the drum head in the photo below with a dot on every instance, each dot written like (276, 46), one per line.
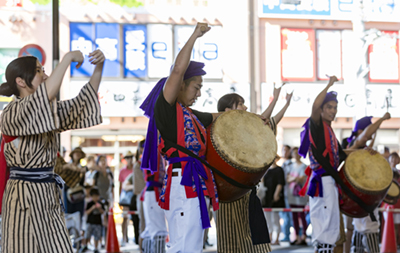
(368, 172)
(394, 190)
(243, 141)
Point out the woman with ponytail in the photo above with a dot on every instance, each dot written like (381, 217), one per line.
(32, 211)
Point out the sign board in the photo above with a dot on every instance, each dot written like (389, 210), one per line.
(123, 98)
(374, 10)
(305, 94)
(33, 50)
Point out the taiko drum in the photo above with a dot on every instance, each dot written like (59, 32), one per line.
(242, 147)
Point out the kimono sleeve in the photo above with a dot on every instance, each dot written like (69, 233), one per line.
(80, 112)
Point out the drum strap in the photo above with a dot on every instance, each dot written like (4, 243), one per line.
(258, 225)
(333, 173)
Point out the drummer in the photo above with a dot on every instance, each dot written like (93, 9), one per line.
(185, 185)
(230, 215)
(366, 231)
(324, 201)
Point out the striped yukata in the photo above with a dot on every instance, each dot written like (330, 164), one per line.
(33, 219)
(233, 225)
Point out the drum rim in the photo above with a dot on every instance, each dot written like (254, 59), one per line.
(389, 199)
(362, 190)
(224, 157)
(359, 188)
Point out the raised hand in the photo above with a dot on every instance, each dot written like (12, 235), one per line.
(332, 80)
(289, 97)
(96, 57)
(76, 56)
(201, 29)
(386, 116)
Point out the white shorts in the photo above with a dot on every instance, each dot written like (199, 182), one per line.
(325, 214)
(184, 220)
(154, 217)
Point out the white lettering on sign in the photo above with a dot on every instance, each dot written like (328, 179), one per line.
(108, 47)
(85, 46)
(135, 46)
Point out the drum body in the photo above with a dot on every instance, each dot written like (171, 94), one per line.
(369, 177)
(242, 147)
(393, 193)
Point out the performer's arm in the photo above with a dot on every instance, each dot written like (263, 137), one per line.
(53, 82)
(368, 132)
(96, 58)
(268, 112)
(316, 109)
(175, 79)
(277, 191)
(278, 117)
(215, 115)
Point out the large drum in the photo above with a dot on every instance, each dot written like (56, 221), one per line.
(393, 193)
(369, 177)
(242, 147)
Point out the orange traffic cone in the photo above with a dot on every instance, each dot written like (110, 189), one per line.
(389, 244)
(112, 245)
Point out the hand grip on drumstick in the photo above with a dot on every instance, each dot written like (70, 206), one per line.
(203, 27)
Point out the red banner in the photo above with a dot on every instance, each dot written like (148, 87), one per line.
(383, 57)
(298, 54)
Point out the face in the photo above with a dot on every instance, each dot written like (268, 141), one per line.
(394, 160)
(241, 106)
(190, 93)
(39, 78)
(295, 154)
(77, 156)
(329, 111)
(129, 160)
(285, 152)
(95, 198)
(102, 162)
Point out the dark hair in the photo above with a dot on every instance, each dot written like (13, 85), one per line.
(141, 145)
(94, 192)
(229, 101)
(23, 67)
(187, 81)
(394, 154)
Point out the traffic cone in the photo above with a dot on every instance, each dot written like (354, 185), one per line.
(389, 244)
(112, 245)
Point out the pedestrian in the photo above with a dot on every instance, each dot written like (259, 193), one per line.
(94, 211)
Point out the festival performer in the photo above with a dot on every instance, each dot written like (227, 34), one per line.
(366, 231)
(187, 180)
(32, 214)
(155, 231)
(236, 214)
(324, 201)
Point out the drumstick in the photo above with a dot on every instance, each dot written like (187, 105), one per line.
(387, 104)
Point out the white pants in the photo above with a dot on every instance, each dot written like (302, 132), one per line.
(153, 216)
(273, 222)
(325, 214)
(184, 220)
(366, 225)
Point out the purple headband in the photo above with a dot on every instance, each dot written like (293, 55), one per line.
(361, 124)
(150, 155)
(330, 96)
